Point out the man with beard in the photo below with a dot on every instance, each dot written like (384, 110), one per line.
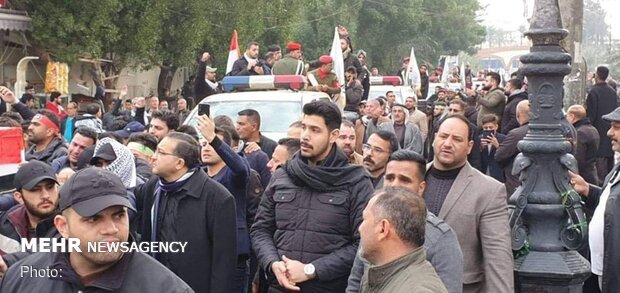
(318, 198)
(248, 64)
(346, 142)
(94, 208)
(82, 138)
(54, 105)
(474, 205)
(44, 135)
(416, 116)
(36, 191)
(407, 134)
(494, 101)
(182, 110)
(377, 151)
(516, 94)
(205, 83)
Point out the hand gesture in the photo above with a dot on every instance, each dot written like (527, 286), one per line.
(278, 269)
(493, 140)
(139, 102)
(206, 127)
(123, 92)
(251, 64)
(342, 31)
(7, 95)
(205, 57)
(579, 184)
(251, 147)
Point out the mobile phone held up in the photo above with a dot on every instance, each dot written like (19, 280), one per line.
(204, 109)
(487, 133)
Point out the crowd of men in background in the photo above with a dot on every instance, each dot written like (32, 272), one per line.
(394, 200)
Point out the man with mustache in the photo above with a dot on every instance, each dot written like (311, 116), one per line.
(44, 136)
(474, 205)
(377, 151)
(93, 205)
(495, 99)
(36, 191)
(82, 138)
(346, 142)
(316, 197)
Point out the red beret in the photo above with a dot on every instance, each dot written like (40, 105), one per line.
(326, 59)
(293, 46)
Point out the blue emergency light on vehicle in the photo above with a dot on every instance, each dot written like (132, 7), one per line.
(386, 80)
(263, 82)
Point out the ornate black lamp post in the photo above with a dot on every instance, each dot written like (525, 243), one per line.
(547, 220)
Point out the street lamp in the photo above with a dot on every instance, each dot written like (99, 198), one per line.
(547, 220)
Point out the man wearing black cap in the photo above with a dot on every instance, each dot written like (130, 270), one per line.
(36, 191)
(94, 208)
(604, 232)
(354, 90)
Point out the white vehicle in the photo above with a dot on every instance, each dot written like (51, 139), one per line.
(278, 101)
(379, 85)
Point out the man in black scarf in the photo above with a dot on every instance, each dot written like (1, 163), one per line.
(306, 229)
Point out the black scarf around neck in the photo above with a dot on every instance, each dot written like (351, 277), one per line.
(333, 173)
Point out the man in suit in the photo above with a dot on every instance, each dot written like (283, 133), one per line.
(507, 150)
(474, 205)
(408, 135)
(489, 142)
(602, 100)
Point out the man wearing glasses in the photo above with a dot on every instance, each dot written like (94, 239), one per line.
(377, 151)
(183, 204)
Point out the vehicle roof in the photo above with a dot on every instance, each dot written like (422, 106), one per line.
(271, 95)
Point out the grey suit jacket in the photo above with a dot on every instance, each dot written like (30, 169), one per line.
(476, 210)
(413, 136)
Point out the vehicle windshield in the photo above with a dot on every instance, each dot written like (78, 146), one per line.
(275, 116)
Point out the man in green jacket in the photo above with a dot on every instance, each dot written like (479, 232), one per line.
(392, 239)
(291, 63)
(326, 79)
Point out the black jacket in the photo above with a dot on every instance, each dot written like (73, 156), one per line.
(600, 101)
(55, 149)
(14, 225)
(134, 272)
(312, 214)
(587, 145)
(201, 213)
(509, 118)
(507, 152)
(611, 233)
(267, 145)
(201, 87)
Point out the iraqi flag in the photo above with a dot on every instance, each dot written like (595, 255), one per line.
(233, 54)
(336, 54)
(413, 72)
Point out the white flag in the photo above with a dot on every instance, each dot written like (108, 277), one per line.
(413, 76)
(463, 80)
(336, 54)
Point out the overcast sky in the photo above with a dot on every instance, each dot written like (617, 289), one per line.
(508, 14)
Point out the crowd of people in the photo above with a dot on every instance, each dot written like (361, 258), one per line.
(396, 199)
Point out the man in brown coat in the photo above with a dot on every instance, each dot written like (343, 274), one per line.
(494, 101)
(474, 205)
